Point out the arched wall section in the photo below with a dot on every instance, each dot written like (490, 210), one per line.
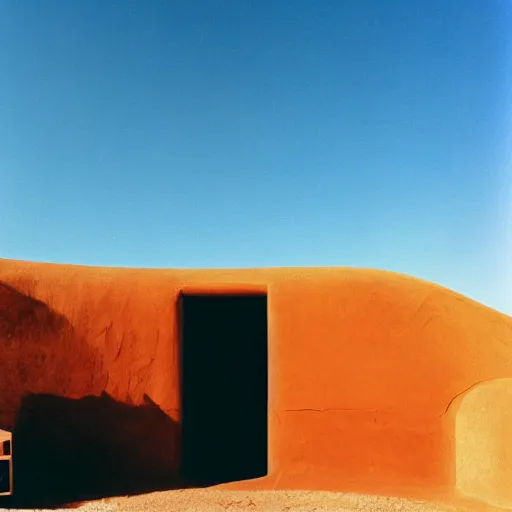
(483, 442)
(366, 367)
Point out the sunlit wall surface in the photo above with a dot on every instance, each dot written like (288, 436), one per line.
(484, 443)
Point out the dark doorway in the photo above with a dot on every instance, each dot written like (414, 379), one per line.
(224, 387)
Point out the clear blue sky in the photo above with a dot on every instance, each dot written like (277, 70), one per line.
(237, 133)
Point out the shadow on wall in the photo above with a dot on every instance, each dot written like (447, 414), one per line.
(66, 450)
(72, 450)
(41, 352)
(20, 312)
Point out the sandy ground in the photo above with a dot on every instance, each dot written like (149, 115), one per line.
(208, 500)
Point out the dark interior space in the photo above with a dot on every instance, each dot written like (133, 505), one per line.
(224, 387)
(72, 450)
(6, 448)
(4, 476)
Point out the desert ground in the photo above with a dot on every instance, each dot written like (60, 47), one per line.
(213, 500)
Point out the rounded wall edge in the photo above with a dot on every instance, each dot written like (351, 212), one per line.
(482, 431)
(273, 420)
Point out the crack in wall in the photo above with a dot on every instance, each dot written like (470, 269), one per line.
(469, 388)
(347, 409)
(336, 409)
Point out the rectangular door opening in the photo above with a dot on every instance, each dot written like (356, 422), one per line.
(224, 388)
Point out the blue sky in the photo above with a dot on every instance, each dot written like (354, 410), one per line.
(237, 133)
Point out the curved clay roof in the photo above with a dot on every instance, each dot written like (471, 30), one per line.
(421, 342)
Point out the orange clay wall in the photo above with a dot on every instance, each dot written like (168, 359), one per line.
(363, 365)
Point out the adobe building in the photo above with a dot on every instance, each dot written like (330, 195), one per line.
(300, 378)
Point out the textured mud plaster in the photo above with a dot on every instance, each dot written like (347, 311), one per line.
(484, 443)
(362, 366)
